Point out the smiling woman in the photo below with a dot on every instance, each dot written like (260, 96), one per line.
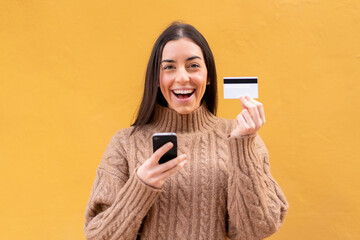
(176, 36)
(219, 186)
(183, 75)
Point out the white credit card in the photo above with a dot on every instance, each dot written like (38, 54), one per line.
(234, 87)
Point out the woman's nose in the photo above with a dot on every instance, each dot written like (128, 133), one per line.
(182, 76)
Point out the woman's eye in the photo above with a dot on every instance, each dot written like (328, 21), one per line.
(168, 67)
(194, 65)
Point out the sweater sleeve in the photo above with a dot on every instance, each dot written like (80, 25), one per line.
(256, 204)
(119, 200)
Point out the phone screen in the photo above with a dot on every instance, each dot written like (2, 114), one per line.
(159, 139)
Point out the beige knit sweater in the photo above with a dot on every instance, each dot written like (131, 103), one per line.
(224, 191)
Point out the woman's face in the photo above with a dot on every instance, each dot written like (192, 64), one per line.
(183, 75)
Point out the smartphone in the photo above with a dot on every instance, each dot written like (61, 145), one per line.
(159, 139)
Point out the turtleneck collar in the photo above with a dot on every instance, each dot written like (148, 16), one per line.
(168, 120)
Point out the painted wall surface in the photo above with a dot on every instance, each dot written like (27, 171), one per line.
(71, 75)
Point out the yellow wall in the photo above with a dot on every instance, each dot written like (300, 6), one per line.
(71, 74)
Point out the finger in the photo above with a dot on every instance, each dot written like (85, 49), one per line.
(173, 170)
(260, 108)
(253, 110)
(246, 103)
(241, 121)
(160, 152)
(172, 163)
(242, 99)
(248, 119)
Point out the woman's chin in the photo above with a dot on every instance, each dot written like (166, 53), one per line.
(183, 105)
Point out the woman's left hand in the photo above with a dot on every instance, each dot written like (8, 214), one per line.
(250, 119)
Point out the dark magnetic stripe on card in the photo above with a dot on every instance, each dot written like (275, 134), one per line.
(240, 80)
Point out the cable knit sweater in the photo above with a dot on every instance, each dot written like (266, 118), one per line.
(224, 191)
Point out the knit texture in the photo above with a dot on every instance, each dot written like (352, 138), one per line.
(224, 191)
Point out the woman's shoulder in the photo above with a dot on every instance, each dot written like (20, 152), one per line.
(120, 137)
(123, 135)
(125, 131)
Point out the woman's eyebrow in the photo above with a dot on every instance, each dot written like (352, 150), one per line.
(188, 59)
(168, 60)
(192, 58)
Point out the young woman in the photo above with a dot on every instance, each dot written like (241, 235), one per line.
(218, 187)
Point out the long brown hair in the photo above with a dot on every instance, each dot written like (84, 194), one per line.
(152, 93)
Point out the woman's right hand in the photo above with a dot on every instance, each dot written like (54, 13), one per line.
(154, 174)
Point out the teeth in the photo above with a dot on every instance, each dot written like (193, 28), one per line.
(183, 91)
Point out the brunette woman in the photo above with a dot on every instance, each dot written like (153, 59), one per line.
(220, 184)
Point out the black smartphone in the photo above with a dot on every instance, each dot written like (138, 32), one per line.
(159, 139)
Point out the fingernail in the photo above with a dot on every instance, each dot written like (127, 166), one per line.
(183, 163)
(183, 156)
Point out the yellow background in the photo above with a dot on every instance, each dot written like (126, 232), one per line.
(71, 75)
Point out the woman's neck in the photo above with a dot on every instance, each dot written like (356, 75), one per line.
(168, 120)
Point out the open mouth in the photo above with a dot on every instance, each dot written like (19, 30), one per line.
(183, 93)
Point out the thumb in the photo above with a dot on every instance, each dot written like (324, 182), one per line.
(242, 102)
(154, 160)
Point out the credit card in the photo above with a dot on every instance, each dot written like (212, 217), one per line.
(234, 87)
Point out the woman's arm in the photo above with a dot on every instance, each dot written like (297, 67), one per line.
(256, 204)
(119, 200)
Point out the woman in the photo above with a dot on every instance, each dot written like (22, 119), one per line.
(219, 186)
